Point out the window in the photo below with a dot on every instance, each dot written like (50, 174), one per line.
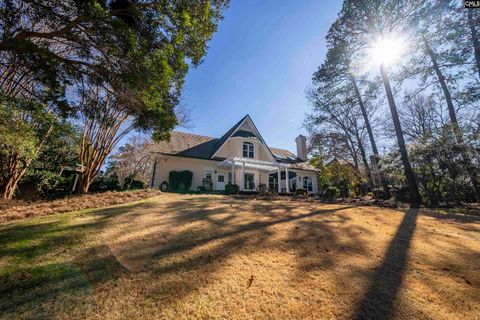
(249, 181)
(307, 184)
(221, 178)
(230, 180)
(208, 173)
(248, 150)
(272, 182)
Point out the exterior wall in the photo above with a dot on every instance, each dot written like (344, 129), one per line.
(311, 174)
(166, 163)
(233, 147)
(300, 175)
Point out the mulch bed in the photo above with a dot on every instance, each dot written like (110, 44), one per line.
(16, 210)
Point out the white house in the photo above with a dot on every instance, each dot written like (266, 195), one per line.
(240, 157)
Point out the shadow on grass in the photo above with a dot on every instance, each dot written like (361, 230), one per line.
(175, 248)
(378, 302)
(44, 260)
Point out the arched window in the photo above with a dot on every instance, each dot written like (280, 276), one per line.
(248, 150)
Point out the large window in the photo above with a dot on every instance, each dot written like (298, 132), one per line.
(248, 150)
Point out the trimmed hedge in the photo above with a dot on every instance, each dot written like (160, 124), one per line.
(180, 181)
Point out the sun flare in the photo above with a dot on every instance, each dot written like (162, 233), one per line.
(387, 50)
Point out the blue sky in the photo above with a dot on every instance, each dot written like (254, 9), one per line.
(260, 62)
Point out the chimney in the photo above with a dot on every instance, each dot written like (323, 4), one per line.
(301, 147)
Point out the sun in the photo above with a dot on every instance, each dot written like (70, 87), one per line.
(386, 50)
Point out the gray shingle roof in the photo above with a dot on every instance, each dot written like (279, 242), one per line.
(203, 147)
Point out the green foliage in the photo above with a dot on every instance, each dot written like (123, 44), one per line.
(180, 181)
(232, 189)
(48, 184)
(342, 177)
(332, 192)
(141, 51)
(25, 126)
(105, 183)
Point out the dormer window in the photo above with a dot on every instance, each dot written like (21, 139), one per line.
(248, 150)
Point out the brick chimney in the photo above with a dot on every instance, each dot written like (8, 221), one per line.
(301, 147)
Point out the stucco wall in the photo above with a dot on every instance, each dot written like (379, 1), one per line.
(233, 147)
(166, 163)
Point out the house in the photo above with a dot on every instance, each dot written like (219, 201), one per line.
(240, 157)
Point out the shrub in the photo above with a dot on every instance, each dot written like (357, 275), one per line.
(134, 184)
(401, 194)
(378, 193)
(180, 181)
(105, 183)
(332, 192)
(301, 192)
(232, 188)
(47, 183)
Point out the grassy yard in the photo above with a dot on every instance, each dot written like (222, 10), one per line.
(215, 257)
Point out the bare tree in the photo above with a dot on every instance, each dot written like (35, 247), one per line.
(133, 160)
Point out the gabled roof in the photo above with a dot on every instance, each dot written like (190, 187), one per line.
(204, 147)
(227, 135)
(285, 156)
(188, 145)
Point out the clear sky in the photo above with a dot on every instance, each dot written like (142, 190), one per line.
(260, 62)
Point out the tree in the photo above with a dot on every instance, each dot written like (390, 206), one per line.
(139, 50)
(135, 45)
(133, 160)
(335, 111)
(24, 129)
(370, 23)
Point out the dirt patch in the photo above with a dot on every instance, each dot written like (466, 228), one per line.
(16, 210)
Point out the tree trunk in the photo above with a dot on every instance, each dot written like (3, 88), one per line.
(475, 40)
(415, 199)
(84, 183)
(453, 117)
(370, 134)
(364, 113)
(365, 163)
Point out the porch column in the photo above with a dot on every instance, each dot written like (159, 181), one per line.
(314, 184)
(278, 184)
(242, 178)
(233, 172)
(287, 180)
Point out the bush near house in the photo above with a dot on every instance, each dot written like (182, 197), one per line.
(232, 188)
(301, 192)
(180, 181)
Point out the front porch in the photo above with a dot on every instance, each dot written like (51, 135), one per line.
(258, 175)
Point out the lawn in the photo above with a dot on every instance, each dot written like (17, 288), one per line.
(216, 257)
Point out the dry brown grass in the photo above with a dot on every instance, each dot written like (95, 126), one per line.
(215, 257)
(16, 210)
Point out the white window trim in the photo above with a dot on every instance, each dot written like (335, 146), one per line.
(248, 143)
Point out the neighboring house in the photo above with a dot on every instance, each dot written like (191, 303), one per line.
(240, 157)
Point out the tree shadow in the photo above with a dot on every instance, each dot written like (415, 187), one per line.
(177, 248)
(42, 262)
(378, 301)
